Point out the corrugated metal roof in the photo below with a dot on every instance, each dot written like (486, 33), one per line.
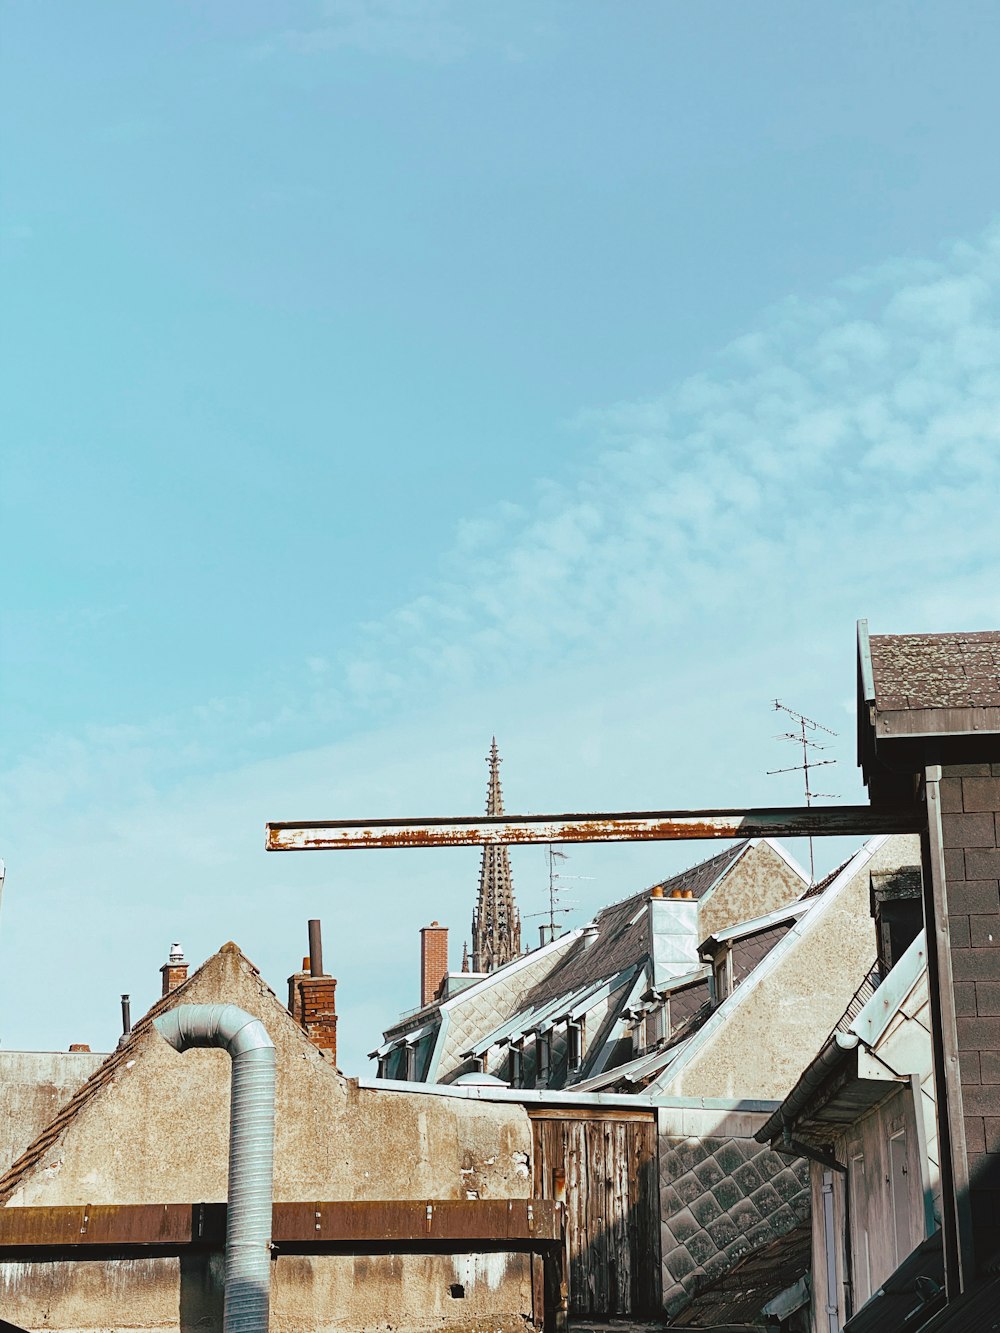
(936, 670)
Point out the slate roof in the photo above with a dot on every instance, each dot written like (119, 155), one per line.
(623, 931)
(739, 1295)
(936, 670)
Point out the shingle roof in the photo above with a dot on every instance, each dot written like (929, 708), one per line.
(739, 1295)
(936, 670)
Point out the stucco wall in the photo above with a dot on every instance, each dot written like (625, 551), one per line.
(35, 1084)
(760, 882)
(763, 1036)
(159, 1132)
(309, 1294)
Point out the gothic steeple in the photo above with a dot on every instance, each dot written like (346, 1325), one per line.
(496, 926)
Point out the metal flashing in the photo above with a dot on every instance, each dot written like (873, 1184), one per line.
(803, 926)
(888, 1000)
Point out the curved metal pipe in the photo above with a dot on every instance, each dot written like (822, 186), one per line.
(251, 1150)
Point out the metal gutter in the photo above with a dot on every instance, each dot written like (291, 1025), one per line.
(833, 1054)
(550, 1097)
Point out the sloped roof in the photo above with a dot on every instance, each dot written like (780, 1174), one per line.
(936, 670)
(623, 931)
(741, 1293)
(105, 1074)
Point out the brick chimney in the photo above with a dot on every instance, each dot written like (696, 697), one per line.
(433, 960)
(312, 997)
(174, 971)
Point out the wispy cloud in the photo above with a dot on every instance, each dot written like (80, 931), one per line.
(419, 30)
(626, 624)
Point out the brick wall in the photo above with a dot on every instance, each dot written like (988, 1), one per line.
(433, 960)
(970, 805)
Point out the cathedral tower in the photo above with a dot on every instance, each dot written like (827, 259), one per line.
(496, 926)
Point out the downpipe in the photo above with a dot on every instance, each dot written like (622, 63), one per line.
(251, 1150)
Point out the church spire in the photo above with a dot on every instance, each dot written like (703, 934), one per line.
(496, 926)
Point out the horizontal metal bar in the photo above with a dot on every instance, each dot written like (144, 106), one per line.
(638, 826)
(524, 1223)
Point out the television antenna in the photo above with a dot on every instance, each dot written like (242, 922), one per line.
(805, 726)
(555, 876)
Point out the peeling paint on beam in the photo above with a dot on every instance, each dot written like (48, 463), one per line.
(638, 826)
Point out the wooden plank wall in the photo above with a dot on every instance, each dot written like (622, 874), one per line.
(605, 1168)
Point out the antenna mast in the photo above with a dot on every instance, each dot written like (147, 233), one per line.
(805, 725)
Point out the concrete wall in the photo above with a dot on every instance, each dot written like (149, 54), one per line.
(763, 1036)
(158, 1131)
(760, 882)
(309, 1294)
(35, 1084)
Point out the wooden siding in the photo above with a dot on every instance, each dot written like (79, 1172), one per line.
(605, 1168)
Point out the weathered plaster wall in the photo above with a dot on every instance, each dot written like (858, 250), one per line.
(33, 1086)
(760, 882)
(765, 1034)
(159, 1131)
(309, 1294)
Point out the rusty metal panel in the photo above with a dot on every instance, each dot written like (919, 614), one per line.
(482, 1220)
(169, 1224)
(526, 1223)
(637, 826)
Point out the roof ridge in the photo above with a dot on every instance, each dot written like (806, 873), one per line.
(103, 1074)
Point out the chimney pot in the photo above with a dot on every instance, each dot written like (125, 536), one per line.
(656, 891)
(305, 963)
(79, 1046)
(174, 971)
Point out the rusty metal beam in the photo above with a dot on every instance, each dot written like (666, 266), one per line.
(409, 1223)
(638, 826)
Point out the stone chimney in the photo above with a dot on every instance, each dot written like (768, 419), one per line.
(433, 960)
(673, 934)
(174, 971)
(312, 997)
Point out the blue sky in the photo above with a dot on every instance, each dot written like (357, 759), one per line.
(381, 375)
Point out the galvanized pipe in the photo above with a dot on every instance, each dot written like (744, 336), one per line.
(126, 1015)
(251, 1150)
(315, 949)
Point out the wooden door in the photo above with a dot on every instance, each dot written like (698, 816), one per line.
(604, 1166)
